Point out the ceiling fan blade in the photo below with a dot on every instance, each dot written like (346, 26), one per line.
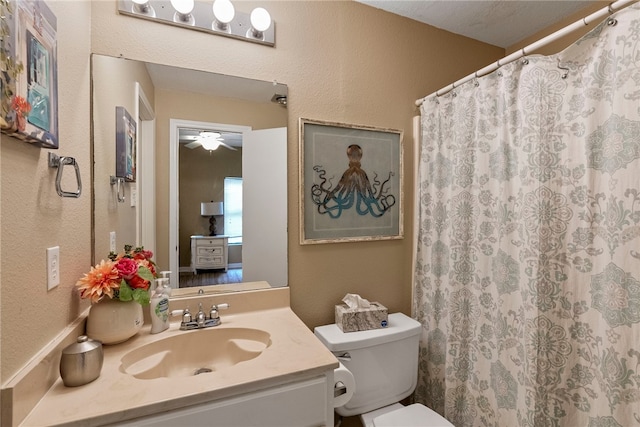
(193, 144)
(228, 146)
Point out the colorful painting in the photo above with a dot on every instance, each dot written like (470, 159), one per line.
(28, 72)
(125, 145)
(351, 183)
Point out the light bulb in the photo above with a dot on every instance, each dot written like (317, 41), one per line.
(224, 11)
(183, 6)
(260, 19)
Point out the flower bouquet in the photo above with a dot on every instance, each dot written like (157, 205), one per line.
(126, 276)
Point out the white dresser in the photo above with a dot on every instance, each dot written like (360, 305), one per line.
(209, 253)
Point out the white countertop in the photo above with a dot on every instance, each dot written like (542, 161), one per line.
(294, 353)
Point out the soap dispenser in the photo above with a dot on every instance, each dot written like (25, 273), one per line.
(167, 284)
(159, 307)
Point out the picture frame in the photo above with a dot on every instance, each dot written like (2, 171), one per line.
(126, 137)
(351, 179)
(29, 81)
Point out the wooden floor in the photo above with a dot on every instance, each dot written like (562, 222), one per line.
(210, 277)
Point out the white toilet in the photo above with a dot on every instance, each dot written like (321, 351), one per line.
(384, 364)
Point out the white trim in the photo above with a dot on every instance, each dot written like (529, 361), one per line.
(145, 179)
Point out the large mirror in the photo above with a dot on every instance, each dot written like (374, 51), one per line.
(206, 160)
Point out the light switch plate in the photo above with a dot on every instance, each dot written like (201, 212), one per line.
(112, 241)
(53, 267)
(133, 192)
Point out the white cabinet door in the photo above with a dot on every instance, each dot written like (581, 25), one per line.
(264, 206)
(297, 404)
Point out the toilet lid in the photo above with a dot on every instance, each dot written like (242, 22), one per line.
(415, 415)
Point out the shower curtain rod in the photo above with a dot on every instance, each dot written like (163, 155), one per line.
(610, 9)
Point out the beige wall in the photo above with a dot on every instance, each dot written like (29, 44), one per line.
(342, 62)
(202, 180)
(33, 217)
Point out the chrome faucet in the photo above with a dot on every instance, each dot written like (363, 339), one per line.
(201, 320)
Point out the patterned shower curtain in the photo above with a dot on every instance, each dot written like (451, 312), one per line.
(527, 279)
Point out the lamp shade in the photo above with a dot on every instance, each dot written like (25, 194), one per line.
(211, 208)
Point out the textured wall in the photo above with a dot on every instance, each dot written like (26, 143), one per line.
(33, 217)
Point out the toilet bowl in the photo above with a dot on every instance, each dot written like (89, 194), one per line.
(384, 365)
(397, 415)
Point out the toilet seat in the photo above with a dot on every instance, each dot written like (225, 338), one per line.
(415, 415)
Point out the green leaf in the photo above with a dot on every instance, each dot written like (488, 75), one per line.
(141, 296)
(145, 273)
(126, 294)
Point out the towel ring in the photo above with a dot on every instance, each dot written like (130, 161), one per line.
(60, 162)
(119, 182)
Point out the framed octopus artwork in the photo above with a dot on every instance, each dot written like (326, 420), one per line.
(351, 183)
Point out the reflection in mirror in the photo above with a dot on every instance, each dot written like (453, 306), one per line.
(195, 131)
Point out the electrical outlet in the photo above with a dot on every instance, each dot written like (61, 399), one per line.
(53, 267)
(112, 241)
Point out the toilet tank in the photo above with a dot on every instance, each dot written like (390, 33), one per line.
(384, 362)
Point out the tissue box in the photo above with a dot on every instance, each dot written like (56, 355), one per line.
(361, 319)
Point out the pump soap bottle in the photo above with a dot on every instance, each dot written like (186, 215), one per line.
(167, 284)
(159, 308)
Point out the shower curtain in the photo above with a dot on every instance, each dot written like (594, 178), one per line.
(527, 279)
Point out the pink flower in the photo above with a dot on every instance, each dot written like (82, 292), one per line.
(127, 268)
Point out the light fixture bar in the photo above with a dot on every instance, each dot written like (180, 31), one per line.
(204, 20)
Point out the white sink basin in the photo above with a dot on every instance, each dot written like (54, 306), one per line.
(202, 351)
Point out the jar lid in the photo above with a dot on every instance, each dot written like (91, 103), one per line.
(83, 345)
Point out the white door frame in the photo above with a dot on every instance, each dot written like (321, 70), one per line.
(174, 173)
(145, 178)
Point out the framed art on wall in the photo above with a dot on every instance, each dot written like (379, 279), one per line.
(351, 183)
(126, 137)
(28, 73)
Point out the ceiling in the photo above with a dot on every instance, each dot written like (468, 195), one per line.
(501, 23)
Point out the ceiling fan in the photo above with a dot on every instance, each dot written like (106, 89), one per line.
(209, 141)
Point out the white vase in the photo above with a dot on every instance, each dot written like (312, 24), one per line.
(113, 321)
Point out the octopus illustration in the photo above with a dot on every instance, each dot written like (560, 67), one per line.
(353, 189)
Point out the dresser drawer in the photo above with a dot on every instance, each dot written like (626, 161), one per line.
(209, 251)
(210, 242)
(210, 261)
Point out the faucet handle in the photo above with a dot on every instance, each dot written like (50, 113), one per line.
(186, 316)
(223, 306)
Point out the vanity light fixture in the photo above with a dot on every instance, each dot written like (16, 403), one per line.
(183, 9)
(224, 12)
(260, 22)
(143, 7)
(219, 17)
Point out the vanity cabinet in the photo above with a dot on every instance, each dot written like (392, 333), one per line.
(299, 404)
(209, 253)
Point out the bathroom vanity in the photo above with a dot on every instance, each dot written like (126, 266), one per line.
(265, 367)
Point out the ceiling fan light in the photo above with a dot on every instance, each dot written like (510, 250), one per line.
(210, 143)
(207, 134)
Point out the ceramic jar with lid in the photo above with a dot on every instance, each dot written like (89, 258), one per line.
(81, 362)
